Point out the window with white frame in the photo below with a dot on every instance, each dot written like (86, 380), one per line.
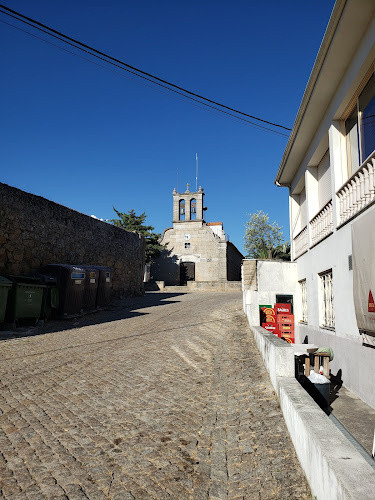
(360, 128)
(327, 312)
(303, 287)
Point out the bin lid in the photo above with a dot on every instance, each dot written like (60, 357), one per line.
(32, 280)
(48, 279)
(27, 280)
(4, 281)
(48, 267)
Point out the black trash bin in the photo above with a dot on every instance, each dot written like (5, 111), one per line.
(50, 303)
(25, 299)
(71, 284)
(5, 287)
(103, 297)
(91, 288)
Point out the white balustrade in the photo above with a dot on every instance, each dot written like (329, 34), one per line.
(322, 224)
(300, 243)
(358, 191)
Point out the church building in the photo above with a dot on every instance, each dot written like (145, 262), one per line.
(195, 250)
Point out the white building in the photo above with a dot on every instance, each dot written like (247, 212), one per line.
(329, 167)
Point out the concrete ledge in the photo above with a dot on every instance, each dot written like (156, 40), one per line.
(214, 286)
(334, 469)
(277, 355)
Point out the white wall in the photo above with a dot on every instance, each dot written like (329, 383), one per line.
(273, 277)
(357, 363)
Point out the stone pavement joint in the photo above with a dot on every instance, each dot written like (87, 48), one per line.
(168, 400)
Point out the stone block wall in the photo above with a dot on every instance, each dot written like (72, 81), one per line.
(35, 231)
(249, 274)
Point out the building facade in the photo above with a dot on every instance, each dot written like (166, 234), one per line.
(329, 168)
(195, 250)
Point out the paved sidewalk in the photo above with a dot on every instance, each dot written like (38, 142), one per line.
(165, 397)
(356, 416)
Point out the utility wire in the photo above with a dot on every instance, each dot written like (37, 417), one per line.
(79, 45)
(200, 104)
(214, 110)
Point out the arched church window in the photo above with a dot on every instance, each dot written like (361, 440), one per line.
(193, 209)
(182, 210)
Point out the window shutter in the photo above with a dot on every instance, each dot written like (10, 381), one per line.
(324, 181)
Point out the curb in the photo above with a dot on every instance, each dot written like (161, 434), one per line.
(334, 469)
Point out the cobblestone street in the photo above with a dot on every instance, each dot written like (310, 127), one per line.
(165, 397)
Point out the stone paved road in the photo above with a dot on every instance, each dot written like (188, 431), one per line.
(167, 398)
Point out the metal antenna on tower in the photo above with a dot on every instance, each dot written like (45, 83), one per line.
(177, 180)
(196, 171)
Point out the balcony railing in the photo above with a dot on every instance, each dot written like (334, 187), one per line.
(322, 224)
(300, 243)
(358, 191)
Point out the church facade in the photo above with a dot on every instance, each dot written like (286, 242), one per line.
(195, 250)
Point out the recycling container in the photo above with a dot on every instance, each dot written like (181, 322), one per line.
(91, 288)
(70, 280)
(50, 303)
(324, 390)
(5, 286)
(103, 296)
(25, 298)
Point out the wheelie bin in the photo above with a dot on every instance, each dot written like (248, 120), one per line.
(25, 299)
(103, 296)
(91, 288)
(50, 303)
(5, 286)
(71, 285)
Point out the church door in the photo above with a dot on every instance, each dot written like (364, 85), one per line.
(187, 272)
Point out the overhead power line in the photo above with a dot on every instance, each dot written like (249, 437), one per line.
(229, 116)
(200, 104)
(135, 71)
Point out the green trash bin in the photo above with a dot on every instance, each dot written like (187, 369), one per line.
(5, 286)
(25, 299)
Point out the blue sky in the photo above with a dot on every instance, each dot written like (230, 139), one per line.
(91, 139)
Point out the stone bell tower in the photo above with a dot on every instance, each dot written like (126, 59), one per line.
(188, 206)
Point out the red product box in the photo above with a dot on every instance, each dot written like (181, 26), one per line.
(268, 315)
(288, 337)
(272, 328)
(285, 318)
(283, 308)
(286, 327)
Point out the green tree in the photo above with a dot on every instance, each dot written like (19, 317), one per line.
(262, 239)
(282, 251)
(133, 222)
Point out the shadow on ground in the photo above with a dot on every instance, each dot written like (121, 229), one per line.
(121, 309)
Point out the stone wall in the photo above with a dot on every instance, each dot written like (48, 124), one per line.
(249, 274)
(35, 232)
(205, 249)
